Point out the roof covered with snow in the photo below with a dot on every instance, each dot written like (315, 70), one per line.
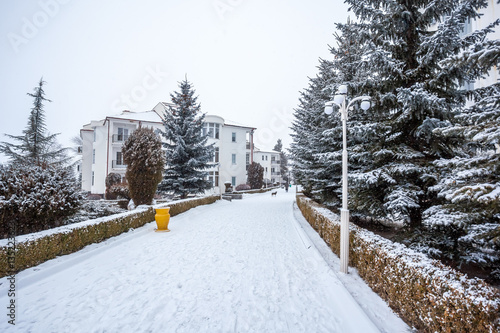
(154, 116)
(150, 116)
(236, 124)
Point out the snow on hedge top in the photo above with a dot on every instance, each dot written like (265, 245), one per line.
(437, 273)
(68, 228)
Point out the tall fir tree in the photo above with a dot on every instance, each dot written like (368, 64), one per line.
(186, 149)
(468, 186)
(317, 139)
(419, 156)
(35, 146)
(283, 161)
(413, 95)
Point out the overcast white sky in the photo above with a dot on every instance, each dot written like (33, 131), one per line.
(247, 59)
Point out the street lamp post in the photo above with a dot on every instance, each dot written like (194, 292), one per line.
(340, 100)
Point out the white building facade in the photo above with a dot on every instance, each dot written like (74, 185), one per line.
(490, 14)
(102, 145)
(102, 142)
(270, 161)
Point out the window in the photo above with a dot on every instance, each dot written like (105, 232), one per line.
(122, 134)
(233, 181)
(92, 178)
(273, 159)
(233, 158)
(213, 178)
(93, 156)
(95, 135)
(272, 170)
(119, 158)
(216, 155)
(248, 159)
(266, 157)
(233, 137)
(211, 129)
(262, 157)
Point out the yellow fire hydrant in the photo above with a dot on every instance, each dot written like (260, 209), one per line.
(162, 218)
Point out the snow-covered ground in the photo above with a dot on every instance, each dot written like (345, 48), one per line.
(251, 265)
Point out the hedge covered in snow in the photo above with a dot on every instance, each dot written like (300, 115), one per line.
(425, 293)
(34, 249)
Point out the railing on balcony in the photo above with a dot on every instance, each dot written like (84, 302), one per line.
(117, 164)
(248, 145)
(276, 173)
(119, 137)
(275, 162)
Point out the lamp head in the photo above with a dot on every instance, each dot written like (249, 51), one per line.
(328, 108)
(339, 99)
(342, 89)
(340, 95)
(365, 104)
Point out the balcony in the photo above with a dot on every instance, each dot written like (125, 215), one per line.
(119, 138)
(275, 162)
(117, 164)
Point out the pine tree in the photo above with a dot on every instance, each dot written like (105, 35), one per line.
(317, 146)
(468, 186)
(145, 162)
(283, 161)
(35, 146)
(307, 128)
(413, 95)
(187, 152)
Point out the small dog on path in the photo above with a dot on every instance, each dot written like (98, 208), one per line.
(274, 193)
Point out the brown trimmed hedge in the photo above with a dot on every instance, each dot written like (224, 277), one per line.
(37, 250)
(426, 294)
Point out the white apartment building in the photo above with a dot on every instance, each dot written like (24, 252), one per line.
(490, 14)
(102, 142)
(270, 161)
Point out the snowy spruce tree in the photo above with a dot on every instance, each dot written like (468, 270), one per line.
(145, 162)
(37, 188)
(418, 157)
(187, 152)
(413, 94)
(317, 138)
(283, 161)
(35, 146)
(468, 186)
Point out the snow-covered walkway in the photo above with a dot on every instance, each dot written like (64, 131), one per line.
(241, 266)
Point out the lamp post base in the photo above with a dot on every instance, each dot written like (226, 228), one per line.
(344, 240)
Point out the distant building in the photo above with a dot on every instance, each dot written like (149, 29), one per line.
(270, 161)
(102, 143)
(489, 15)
